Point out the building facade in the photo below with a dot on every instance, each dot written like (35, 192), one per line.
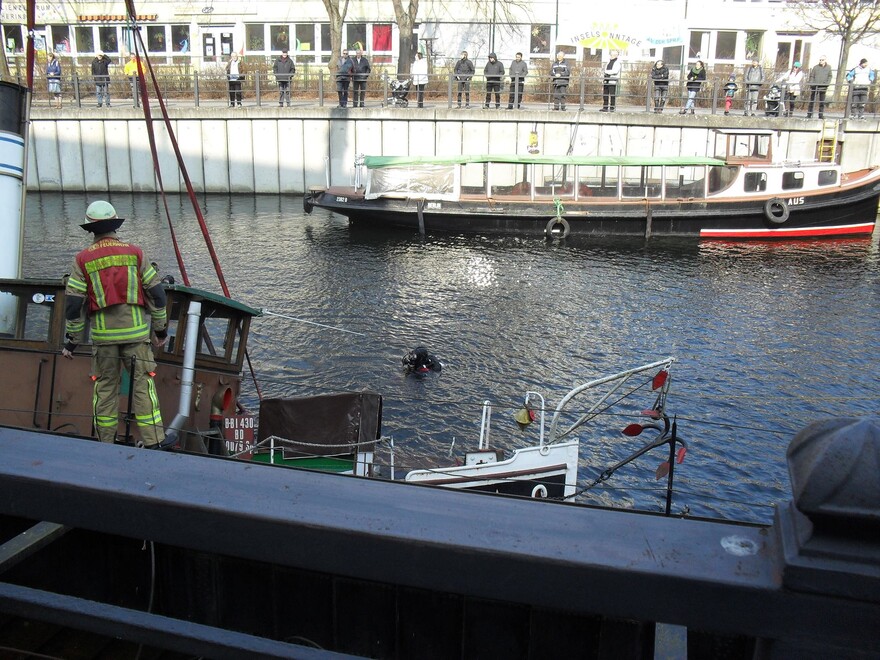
(720, 32)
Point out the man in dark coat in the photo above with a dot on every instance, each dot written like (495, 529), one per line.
(464, 70)
(283, 69)
(518, 72)
(360, 71)
(101, 74)
(343, 78)
(494, 72)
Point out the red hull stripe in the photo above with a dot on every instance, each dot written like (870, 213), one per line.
(794, 232)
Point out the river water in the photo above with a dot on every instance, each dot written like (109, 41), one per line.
(768, 337)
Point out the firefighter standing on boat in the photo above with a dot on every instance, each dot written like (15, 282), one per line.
(116, 285)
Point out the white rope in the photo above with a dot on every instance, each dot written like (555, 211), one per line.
(320, 325)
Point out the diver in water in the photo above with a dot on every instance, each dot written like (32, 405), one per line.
(420, 361)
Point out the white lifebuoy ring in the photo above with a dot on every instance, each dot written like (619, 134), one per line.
(539, 491)
(776, 210)
(552, 231)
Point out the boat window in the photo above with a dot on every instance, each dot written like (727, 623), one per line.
(597, 181)
(685, 182)
(554, 180)
(755, 182)
(507, 179)
(422, 179)
(25, 316)
(720, 178)
(792, 180)
(213, 335)
(742, 146)
(827, 177)
(473, 179)
(642, 181)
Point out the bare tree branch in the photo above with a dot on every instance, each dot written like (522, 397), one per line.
(336, 11)
(851, 20)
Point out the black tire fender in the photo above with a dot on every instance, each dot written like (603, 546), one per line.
(776, 210)
(552, 230)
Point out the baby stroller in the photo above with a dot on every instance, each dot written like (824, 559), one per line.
(399, 92)
(772, 101)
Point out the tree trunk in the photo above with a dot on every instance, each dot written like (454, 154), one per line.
(336, 12)
(845, 38)
(406, 20)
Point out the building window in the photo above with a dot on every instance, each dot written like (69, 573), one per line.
(85, 39)
(12, 40)
(279, 37)
(699, 41)
(725, 46)
(305, 37)
(254, 36)
(180, 38)
(60, 38)
(325, 37)
(357, 35)
(672, 55)
(107, 39)
(753, 45)
(156, 38)
(540, 43)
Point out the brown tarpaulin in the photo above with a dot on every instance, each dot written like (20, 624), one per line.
(336, 423)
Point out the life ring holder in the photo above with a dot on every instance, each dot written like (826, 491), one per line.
(776, 210)
(539, 491)
(551, 230)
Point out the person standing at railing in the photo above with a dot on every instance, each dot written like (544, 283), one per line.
(791, 85)
(695, 79)
(343, 78)
(660, 80)
(283, 69)
(861, 78)
(234, 75)
(53, 76)
(730, 88)
(101, 74)
(360, 71)
(820, 78)
(131, 72)
(518, 72)
(493, 73)
(753, 79)
(464, 70)
(610, 80)
(420, 77)
(560, 75)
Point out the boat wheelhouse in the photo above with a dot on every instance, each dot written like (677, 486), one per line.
(739, 192)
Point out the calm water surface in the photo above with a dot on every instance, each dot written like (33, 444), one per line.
(769, 337)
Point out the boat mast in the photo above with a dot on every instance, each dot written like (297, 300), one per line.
(14, 123)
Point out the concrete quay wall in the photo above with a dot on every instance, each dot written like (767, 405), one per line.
(268, 150)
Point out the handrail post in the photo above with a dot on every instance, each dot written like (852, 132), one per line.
(196, 88)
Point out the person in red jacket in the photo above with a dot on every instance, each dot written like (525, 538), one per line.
(114, 285)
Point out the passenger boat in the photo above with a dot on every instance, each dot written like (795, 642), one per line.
(740, 192)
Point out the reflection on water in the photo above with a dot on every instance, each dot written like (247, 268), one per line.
(769, 337)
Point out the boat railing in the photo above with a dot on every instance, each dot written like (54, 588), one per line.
(660, 383)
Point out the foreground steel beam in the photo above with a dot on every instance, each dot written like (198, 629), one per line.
(710, 576)
(150, 629)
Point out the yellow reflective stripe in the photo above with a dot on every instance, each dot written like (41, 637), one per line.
(132, 293)
(154, 398)
(150, 273)
(121, 335)
(77, 285)
(124, 260)
(98, 288)
(159, 314)
(75, 326)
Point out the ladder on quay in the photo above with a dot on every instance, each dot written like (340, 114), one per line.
(828, 141)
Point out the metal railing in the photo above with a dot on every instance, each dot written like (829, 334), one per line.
(585, 92)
